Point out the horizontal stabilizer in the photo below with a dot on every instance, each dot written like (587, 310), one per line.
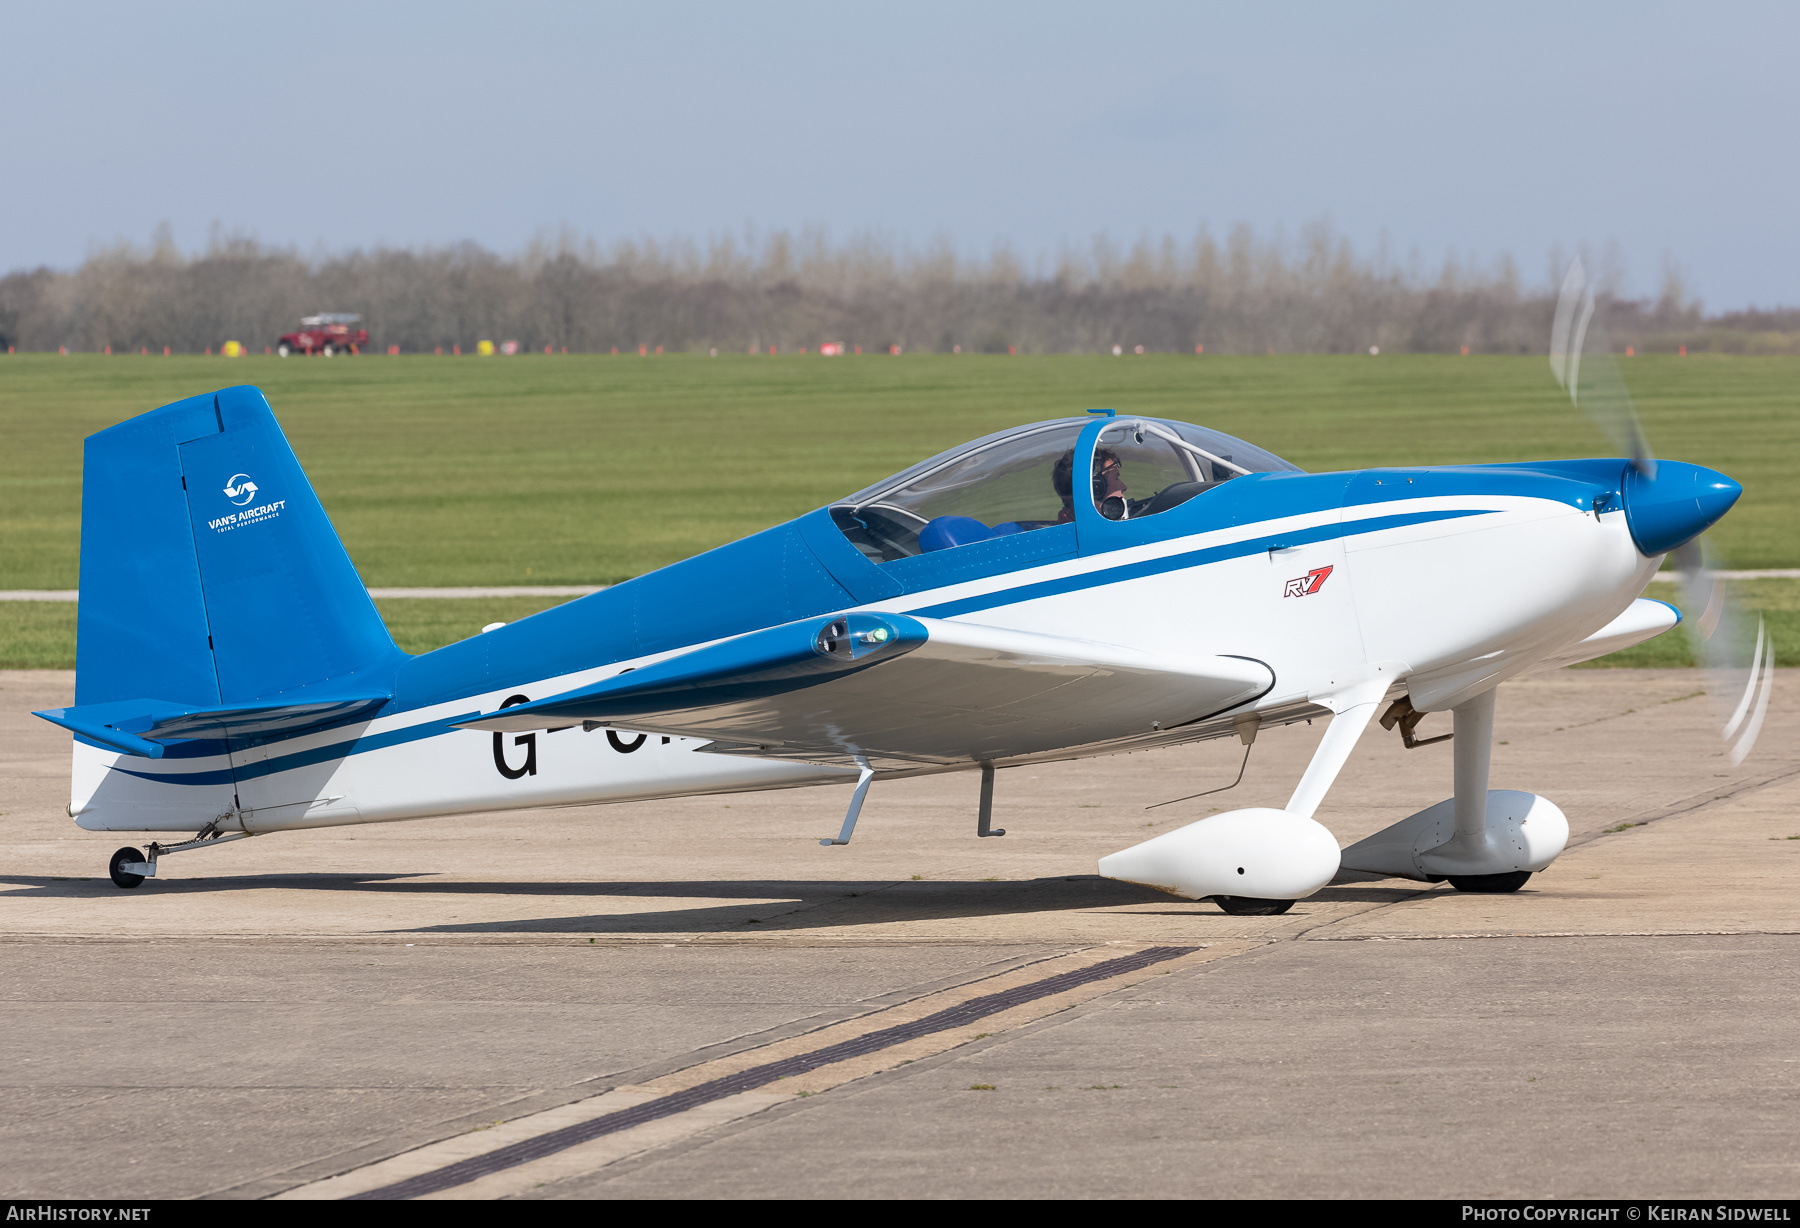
(894, 685)
(143, 726)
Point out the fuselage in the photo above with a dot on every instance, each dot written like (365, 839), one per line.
(1467, 575)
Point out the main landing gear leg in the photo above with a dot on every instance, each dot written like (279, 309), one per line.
(1258, 861)
(1481, 839)
(1474, 751)
(984, 822)
(856, 803)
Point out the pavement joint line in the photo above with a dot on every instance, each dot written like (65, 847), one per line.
(599, 1155)
(910, 1007)
(848, 1053)
(368, 1155)
(546, 939)
(1304, 930)
(934, 1061)
(1688, 805)
(1697, 801)
(949, 1019)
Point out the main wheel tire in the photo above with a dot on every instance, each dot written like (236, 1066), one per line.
(1250, 906)
(120, 877)
(1490, 884)
(328, 351)
(282, 350)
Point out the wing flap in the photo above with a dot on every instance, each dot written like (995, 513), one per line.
(919, 689)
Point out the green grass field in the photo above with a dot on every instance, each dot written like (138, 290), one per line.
(591, 469)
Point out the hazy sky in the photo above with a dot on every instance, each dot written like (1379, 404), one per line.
(1668, 128)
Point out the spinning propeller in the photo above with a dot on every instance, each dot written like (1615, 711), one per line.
(1659, 499)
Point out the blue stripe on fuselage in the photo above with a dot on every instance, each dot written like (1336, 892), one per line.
(306, 758)
(1177, 562)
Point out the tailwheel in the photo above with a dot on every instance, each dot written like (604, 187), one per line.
(1249, 906)
(123, 878)
(1490, 884)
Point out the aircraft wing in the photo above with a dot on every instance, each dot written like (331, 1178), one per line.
(900, 687)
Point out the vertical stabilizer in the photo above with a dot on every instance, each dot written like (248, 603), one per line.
(210, 573)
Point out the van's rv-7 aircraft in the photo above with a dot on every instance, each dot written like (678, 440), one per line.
(978, 611)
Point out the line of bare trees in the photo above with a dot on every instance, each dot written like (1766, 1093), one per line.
(1244, 294)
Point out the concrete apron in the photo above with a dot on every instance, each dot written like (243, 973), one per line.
(1668, 840)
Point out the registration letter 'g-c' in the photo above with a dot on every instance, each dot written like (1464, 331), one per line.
(527, 740)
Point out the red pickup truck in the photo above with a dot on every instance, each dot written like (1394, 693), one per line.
(328, 334)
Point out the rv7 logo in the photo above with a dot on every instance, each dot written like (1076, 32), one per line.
(1308, 584)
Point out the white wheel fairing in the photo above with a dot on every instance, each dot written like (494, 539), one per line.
(1523, 832)
(1261, 853)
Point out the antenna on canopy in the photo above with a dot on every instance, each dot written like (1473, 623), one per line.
(1110, 413)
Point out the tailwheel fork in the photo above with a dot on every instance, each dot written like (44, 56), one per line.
(129, 867)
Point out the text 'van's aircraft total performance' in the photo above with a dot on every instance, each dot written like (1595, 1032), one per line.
(1069, 588)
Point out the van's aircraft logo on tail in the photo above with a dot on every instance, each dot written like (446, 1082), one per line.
(240, 490)
(1307, 584)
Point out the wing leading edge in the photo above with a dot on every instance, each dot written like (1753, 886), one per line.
(899, 687)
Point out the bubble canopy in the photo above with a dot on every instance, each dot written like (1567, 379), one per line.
(1024, 479)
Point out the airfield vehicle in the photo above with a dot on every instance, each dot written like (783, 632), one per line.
(1073, 587)
(327, 334)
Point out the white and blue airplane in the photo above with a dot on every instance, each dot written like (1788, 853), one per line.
(983, 609)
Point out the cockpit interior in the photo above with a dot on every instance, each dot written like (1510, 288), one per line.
(1022, 480)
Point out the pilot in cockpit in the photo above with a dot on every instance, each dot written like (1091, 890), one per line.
(1109, 487)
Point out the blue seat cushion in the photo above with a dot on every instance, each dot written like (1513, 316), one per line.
(947, 531)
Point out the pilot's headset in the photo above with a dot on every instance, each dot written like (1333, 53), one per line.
(1120, 509)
